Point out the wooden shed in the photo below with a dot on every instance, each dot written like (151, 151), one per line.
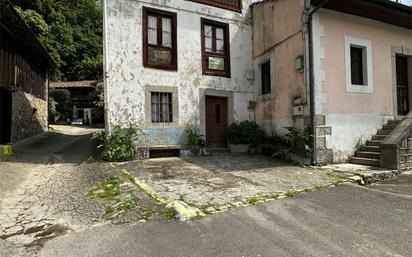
(24, 67)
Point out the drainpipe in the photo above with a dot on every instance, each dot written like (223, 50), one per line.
(308, 21)
(105, 72)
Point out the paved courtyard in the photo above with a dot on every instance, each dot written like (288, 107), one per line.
(225, 181)
(45, 188)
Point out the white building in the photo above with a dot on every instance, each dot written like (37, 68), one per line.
(175, 64)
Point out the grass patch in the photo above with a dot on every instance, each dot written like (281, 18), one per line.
(168, 214)
(253, 200)
(118, 194)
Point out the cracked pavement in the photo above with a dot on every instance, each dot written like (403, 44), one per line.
(43, 189)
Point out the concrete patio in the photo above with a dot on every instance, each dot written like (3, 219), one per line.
(226, 181)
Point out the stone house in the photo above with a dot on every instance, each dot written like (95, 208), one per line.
(340, 67)
(174, 64)
(24, 65)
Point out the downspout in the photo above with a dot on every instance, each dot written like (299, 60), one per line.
(309, 23)
(105, 72)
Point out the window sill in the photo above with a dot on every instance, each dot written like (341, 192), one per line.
(362, 89)
(158, 67)
(216, 74)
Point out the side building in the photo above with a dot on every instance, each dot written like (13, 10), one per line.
(24, 66)
(344, 67)
(178, 64)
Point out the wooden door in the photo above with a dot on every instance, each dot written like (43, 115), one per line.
(5, 116)
(402, 85)
(216, 121)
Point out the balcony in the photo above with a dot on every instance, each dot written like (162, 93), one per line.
(234, 5)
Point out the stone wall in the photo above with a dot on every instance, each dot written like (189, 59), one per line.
(29, 116)
(405, 155)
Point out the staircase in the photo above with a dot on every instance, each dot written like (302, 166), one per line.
(370, 155)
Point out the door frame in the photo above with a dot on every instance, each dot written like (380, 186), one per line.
(406, 52)
(202, 106)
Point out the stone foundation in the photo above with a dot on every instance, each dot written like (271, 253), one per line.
(405, 155)
(29, 116)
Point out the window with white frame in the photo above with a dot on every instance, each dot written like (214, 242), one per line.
(358, 59)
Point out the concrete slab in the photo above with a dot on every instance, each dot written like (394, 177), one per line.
(368, 174)
(225, 181)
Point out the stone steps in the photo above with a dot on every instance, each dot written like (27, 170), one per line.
(370, 154)
(365, 161)
(378, 137)
(373, 142)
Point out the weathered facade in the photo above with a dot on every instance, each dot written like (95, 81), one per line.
(211, 65)
(354, 49)
(24, 64)
(343, 68)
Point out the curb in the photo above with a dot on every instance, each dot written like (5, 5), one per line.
(364, 178)
(184, 211)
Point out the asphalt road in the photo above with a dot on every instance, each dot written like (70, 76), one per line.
(345, 221)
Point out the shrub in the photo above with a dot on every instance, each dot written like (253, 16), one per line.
(300, 141)
(119, 145)
(197, 141)
(245, 132)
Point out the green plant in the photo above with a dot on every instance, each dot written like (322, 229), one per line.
(197, 141)
(300, 141)
(119, 145)
(245, 132)
(169, 214)
(360, 146)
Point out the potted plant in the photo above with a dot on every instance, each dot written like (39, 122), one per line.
(243, 135)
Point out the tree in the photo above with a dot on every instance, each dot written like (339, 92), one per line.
(61, 99)
(72, 31)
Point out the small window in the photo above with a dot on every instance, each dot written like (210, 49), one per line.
(162, 107)
(215, 48)
(265, 76)
(357, 65)
(159, 39)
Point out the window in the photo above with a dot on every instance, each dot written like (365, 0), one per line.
(265, 77)
(356, 63)
(159, 39)
(162, 107)
(358, 58)
(234, 5)
(215, 48)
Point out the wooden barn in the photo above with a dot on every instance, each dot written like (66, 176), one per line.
(24, 65)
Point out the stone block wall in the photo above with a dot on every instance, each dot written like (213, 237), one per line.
(405, 155)
(29, 116)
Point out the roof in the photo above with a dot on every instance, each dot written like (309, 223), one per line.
(14, 24)
(74, 84)
(381, 10)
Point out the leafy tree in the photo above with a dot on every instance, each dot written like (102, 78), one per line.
(62, 103)
(72, 31)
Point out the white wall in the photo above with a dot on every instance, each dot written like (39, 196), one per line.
(127, 78)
